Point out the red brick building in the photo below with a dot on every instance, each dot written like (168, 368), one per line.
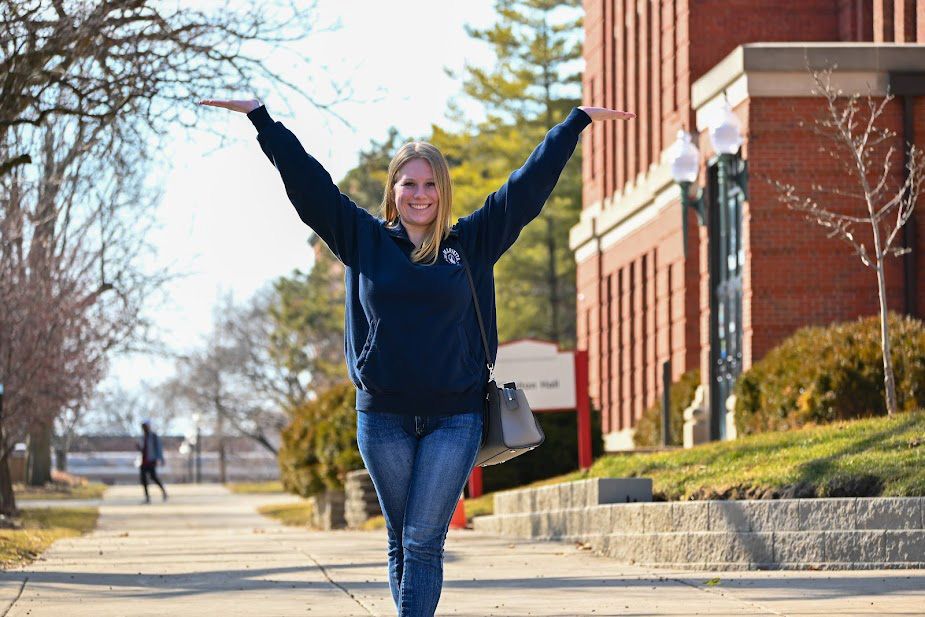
(676, 62)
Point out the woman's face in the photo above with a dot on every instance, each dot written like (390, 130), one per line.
(416, 193)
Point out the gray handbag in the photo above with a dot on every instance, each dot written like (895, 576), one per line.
(509, 427)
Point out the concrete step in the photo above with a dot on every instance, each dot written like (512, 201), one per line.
(580, 494)
(874, 532)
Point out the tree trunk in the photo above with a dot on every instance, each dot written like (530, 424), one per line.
(38, 471)
(220, 434)
(7, 498)
(553, 280)
(889, 382)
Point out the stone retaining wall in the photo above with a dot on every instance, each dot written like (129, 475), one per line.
(361, 503)
(856, 533)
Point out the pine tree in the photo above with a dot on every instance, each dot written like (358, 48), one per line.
(533, 86)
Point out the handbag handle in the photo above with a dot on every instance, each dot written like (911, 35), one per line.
(478, 314)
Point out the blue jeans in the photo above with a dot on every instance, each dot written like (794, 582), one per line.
(419, 466)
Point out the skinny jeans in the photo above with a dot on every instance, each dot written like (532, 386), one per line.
(419, 466)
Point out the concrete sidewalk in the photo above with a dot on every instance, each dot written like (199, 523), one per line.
(207, 552)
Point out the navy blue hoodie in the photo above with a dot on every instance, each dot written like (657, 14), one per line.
(412, 340)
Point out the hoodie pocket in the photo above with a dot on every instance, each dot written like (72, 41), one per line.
(368, 345)
(400, 359)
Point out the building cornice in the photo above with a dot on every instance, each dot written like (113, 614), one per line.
(750, 71)
(781, 70)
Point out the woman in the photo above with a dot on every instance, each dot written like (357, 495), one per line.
(411, 335)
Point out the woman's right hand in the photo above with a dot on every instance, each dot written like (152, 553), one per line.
(242, 106)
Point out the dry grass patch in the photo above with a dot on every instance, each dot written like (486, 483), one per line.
(296, 514)
(40, 527)
(91, 490)
(255, 488)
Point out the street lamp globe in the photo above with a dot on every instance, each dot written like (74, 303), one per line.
(685, 159)
(725, 131)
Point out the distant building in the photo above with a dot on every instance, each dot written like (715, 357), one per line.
(756, 272)
(113, 459)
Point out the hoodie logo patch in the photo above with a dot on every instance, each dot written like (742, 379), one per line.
(451, 256)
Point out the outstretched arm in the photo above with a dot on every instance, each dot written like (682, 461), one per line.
(318, 201)
(497, 224)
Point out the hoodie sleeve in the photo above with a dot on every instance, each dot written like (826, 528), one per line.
(320, 204)
(496, 225)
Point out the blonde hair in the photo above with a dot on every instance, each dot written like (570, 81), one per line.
(440, 227)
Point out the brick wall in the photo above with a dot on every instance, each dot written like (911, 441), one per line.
(640, 302)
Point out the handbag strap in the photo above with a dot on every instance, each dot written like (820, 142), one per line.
(478, 314)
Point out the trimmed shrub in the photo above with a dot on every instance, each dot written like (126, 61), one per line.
(649, 428)
(319, 446)
(822, 374)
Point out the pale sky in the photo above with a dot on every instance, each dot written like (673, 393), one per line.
(224, 218)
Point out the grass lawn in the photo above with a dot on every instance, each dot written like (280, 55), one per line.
(41, 527)
(884, 456)
(273, 486)
(92, 490)
(296, 514)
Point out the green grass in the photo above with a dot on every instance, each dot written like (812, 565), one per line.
(295, 514)
(92, 490)
(41, 527)
(250, 488)
(886, 452)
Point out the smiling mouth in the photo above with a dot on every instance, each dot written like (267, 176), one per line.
(419, 206)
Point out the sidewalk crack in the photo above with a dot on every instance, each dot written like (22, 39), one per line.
(16, 599)
(333, 582)
(720, 592)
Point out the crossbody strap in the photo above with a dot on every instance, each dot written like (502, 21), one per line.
(478, 314)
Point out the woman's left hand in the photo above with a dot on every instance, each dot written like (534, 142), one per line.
(602, 113)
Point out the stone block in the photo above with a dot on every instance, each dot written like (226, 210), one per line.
(656, 517)
(799, 547)
(782, 515)
(584, 493)
(564, 496)
(558, 523)
(521, 525)
(824, 514)
(752, 548)
(546, 498)
(690, 516)
(616, 546)
(599, 519)
(577, 521)
(905, 547)
(502, 503)
(670, 548)
(890, 512)
(627, 518)
(490, 525)
(735, 515)
(637, 548)
(853, 547)
(708, 547)
(538, 524)
(623, 490)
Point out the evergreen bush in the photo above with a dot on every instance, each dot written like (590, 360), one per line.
(649, 428)
(319, 446)
(823, 374)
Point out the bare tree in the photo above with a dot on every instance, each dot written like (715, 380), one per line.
(143, 58)
(85, 87)
(72, 234)
(850, 126)
(226, 381)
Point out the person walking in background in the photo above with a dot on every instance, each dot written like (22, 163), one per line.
(151, 454)
(412, 336)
